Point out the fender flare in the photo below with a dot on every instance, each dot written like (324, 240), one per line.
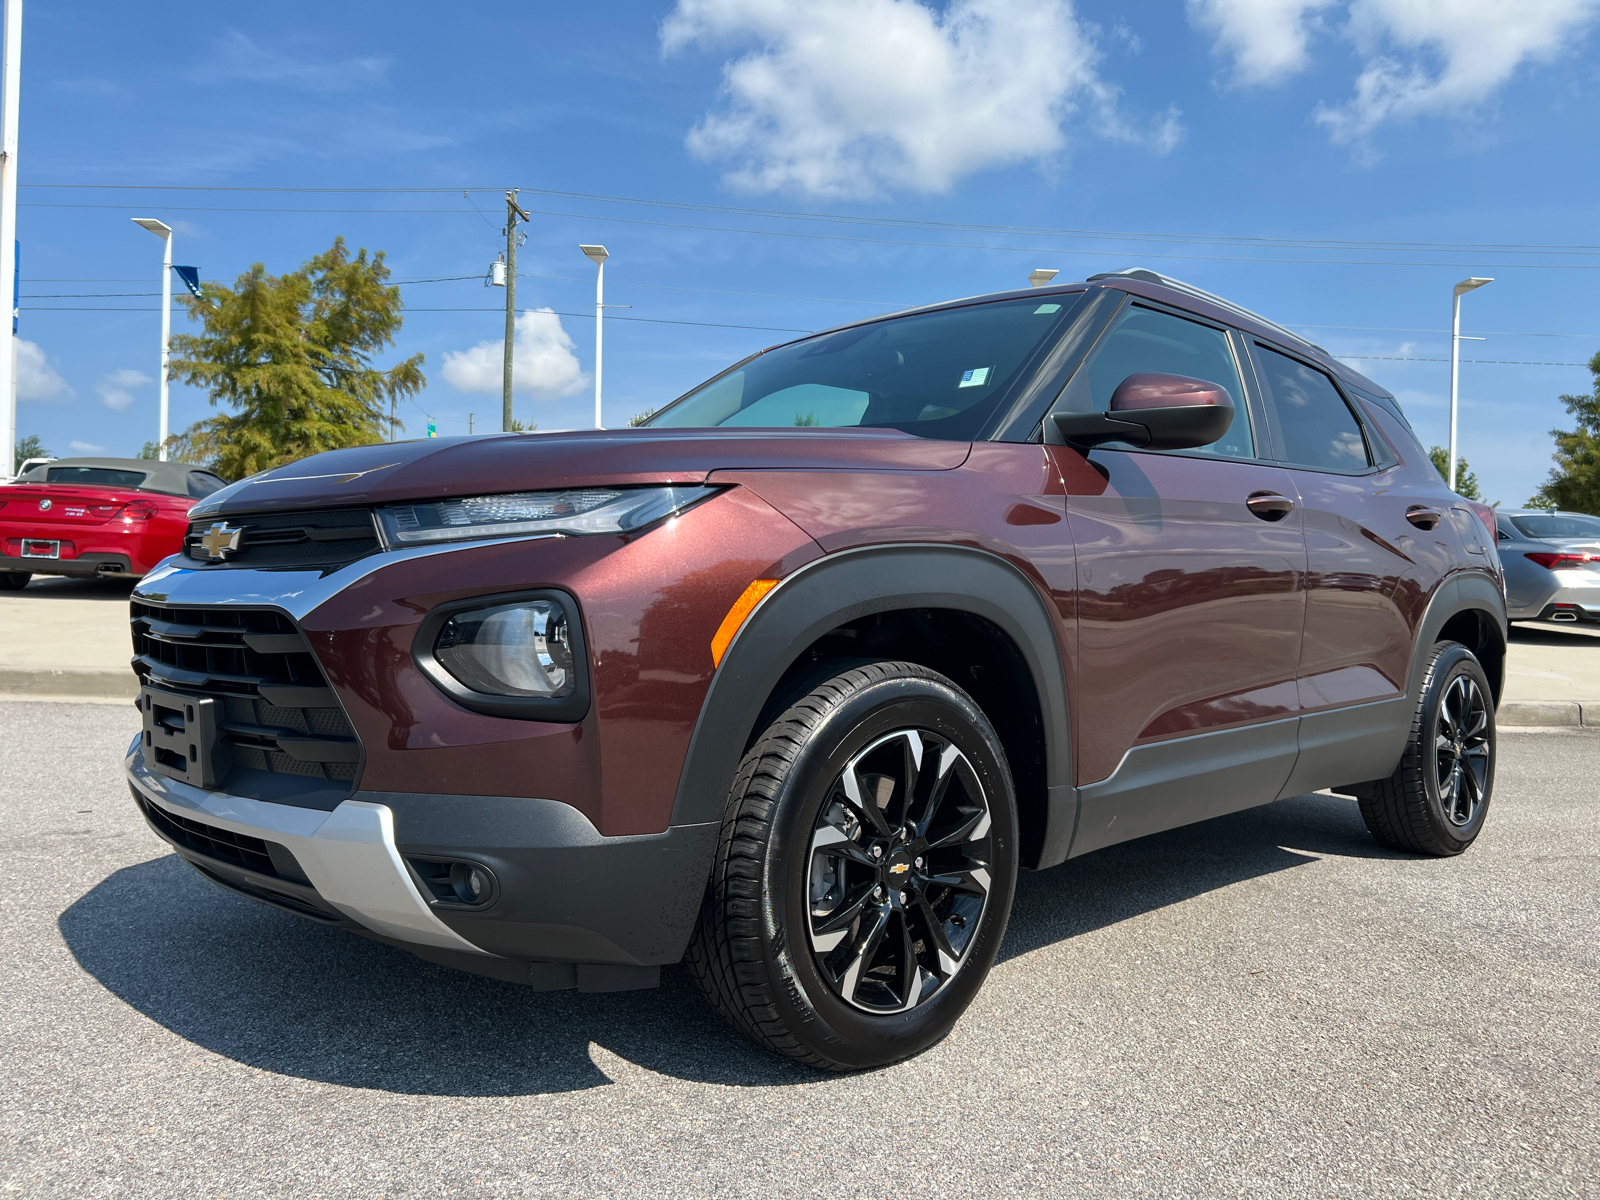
(843, 587)
(1462, 592)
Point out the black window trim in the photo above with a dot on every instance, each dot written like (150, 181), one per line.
(1253, 400)
(1368, 431)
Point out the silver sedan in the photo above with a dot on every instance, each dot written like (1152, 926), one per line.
(1552, 564)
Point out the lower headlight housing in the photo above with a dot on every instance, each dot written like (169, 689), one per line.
(512, 655)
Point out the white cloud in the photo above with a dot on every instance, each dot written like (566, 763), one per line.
(36, 378)
(542, 362)
(85, 447)
(114, 388)
(1267, 39)
(240, 58)
(1477, 44)
(851, 98)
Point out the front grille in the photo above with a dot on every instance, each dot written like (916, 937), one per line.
(326, 539)
(235, 849)
(285, 735)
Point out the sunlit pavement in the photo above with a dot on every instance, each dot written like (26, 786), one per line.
(1265, 1004)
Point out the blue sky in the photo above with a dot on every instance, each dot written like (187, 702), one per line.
(1305, 123)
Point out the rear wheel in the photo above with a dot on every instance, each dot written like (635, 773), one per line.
(865, 871)
(1438, 797)
(14, 581)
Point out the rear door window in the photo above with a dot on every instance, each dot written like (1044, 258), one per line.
(1145, 339)
(1317, 426)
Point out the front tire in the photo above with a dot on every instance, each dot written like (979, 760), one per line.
(864, 874)
(1438, 797)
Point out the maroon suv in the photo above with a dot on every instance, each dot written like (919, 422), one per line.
(790, 682)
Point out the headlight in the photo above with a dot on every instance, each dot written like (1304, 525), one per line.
(521, 514)
(518, 655)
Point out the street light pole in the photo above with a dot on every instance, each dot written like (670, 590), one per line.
(164, 232)
(1461, 289)
(598, 255)
(10, 94)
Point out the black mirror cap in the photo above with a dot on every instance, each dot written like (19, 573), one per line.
(1151, 410)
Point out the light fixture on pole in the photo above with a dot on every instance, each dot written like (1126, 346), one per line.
(164, 232)
(1041, 276)
(598, 255)
(1461, 289)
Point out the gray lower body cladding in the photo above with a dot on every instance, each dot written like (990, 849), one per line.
(573, 908)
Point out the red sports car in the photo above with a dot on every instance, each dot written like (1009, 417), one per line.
(96, 516)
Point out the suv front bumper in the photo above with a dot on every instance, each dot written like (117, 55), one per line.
(573, 908)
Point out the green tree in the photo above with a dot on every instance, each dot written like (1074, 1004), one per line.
(292, 356)
(1574, 482)
(1466, 481)
(639, 419)
(30, 447)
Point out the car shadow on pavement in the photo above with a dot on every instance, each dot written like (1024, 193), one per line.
(60, 587)
(282, 994)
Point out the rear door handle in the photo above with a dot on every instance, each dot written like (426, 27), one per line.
(1424, 518)
(1269, 506)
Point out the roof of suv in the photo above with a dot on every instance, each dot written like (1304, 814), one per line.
(1152, 286)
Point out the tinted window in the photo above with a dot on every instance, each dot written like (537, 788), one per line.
(1147, 340)
(938, 375)
(95, 476)
(202, 484)
(1558, 525)
(1319, 430)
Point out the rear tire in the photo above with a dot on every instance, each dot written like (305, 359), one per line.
(864, 874)
(1438, 797)
(15, 581)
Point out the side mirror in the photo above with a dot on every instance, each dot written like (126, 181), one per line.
(1151, 410)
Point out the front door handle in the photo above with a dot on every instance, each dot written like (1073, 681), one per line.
(1269, 506)
(1422, 517)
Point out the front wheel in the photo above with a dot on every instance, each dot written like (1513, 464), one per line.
(14, 581)
(865, 870)
(1438, 797)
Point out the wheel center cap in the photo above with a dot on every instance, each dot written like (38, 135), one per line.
(897, 869)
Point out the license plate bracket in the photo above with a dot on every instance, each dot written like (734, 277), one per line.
(40, 548)
(181, 736)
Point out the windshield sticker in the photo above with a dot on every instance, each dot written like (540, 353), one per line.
(1047, 308)
(976, 377)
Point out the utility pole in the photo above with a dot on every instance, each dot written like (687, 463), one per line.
(1461, 289)
(598, 255)
(513, 214)
(10, 94)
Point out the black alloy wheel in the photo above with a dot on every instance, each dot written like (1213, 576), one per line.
(899, 871)
(1462, 745)
(1438, 797)
(864, 873)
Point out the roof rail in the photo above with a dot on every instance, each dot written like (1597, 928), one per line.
(1189, 289)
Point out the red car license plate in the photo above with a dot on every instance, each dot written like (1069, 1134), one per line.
(35, 548)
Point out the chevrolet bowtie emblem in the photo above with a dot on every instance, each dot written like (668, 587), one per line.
(899, 869)
(220, 541)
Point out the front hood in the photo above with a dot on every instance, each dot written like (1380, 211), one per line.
(438, 467)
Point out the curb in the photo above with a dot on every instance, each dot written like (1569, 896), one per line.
(1567, 714)
(69, 683)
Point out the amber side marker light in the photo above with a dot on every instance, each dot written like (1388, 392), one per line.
(742, 607)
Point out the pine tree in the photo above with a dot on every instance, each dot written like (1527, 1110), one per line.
(292, 356)
(1574, 482)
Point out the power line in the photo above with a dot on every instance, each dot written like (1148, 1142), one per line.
(586, 316)
(885, 222)
(829, 237)
(1489, 362)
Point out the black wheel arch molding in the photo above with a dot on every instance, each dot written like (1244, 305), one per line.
(847, 586)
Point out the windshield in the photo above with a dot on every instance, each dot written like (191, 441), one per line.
(95, 476)
(938, 374)
(1558, 525)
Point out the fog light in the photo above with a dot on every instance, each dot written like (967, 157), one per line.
(470, 882)
(518, 649)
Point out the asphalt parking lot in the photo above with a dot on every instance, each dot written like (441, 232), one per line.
(1266, 1004)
